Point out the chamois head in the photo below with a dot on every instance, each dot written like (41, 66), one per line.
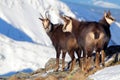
(46, 23)
(67, 24)
(108, 17)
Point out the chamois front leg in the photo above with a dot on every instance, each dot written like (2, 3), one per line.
(83, 61)
(88, 63)
(103, 57)
(71, 53)
(97, 61)
(78, 51)
(88, 60)
(57, 60)
(63, 60)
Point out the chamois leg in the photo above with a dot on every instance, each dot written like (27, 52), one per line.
(71, 53)
(78, 51)
(89, 61)
(97, 60)
(57, 60)
(103, 57)
(63, 60)
(83, 61)
(89, 64)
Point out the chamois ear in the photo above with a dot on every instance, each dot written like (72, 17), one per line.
(63, 17)
(109, 13)
(67, 17)
(41, 19)
(105, 14)
(47, 16)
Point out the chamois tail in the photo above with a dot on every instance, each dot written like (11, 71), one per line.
(96, 35)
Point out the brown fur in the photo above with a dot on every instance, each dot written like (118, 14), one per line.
(92, 36)
(62, 41)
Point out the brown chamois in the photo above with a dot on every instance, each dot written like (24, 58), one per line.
(62, 41)
(106, 21)
(92, 36)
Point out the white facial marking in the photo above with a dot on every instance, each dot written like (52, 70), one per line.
(46, 25)
(109, 21)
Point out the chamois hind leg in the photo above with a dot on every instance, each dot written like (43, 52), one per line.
(78, 51)
(87, 56)
(57, 59)
(71, 53)
(63, 60)
(89, 61)
(83, 61)
(97, 60)
(103, 57)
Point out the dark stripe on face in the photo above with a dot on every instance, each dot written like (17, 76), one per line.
(110, 18)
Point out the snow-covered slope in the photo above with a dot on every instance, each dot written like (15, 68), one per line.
(105, 4)
(16, 55)
(24, 43)
(108, 73)
(24, 14)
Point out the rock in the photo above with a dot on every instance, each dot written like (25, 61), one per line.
(50, 64)
(38, 71)
(39, 78)
(48, 74)
(113, 49)
(19, 76)
(51, 77)
(112, 55)
(76, 74)
(14, 78)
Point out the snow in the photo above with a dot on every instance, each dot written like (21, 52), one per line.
(23, 15)
(16, 55)
(24, 45)
(108, 73)
(105, 4)
(115, 32)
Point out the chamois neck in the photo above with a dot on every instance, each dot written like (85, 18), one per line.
(104, 22)
(50, 28)
(53, 28)
(75, 23)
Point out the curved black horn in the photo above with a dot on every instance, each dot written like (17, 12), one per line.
(109, 12)
(47, 14)
(41, 15)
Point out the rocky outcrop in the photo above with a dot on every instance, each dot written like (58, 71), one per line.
(47, 73)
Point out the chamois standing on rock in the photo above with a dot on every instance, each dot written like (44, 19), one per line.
(62, 41)
(92, 36)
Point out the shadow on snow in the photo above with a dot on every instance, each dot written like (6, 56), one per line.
(16, 72)
(12, 32)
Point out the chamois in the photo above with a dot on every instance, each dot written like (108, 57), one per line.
(106, 21)
(62, 41)
(92, 36)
